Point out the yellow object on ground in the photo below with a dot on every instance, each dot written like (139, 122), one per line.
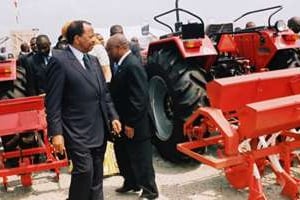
(110, 166)
(70, 167)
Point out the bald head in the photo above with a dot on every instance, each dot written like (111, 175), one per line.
(117, 45)
(118, 40)
(294, 24)
(115, 29)
(43, 44)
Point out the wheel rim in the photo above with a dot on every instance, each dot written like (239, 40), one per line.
(162, 106)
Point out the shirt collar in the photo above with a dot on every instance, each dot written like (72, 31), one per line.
(123, 57)
(78, 54)
(50, 53)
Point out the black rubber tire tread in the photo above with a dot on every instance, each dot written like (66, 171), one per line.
(19, 86)
(186, 86)
(18, 90)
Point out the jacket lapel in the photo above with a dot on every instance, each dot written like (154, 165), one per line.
(96, 72)
(77, 65)
(123, 64)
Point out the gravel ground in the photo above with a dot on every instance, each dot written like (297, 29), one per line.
(184, 182)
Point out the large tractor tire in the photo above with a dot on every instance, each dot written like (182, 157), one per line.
(9, 90)
(17, 88)
(176, 89)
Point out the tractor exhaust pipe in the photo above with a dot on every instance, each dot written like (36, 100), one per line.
(177, 11)
(178, 23)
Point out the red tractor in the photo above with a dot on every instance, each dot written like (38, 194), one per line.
(265, 48)
(181, 63)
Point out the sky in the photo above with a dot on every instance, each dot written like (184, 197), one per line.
(49, 15)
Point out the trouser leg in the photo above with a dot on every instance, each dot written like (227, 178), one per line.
(81, 178)
(97, 183)
(123, 160)
(141, 162)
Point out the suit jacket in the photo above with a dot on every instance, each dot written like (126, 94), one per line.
(78, 102)
(129, 90)
(135, 50)
(36, 72)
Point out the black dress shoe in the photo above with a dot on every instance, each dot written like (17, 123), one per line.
(148, 195)
(126, 188)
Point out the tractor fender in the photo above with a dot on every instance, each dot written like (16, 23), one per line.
(206, 47)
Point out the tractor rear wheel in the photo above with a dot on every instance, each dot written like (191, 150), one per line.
(176, 89)
(18, 87)
(10, 91)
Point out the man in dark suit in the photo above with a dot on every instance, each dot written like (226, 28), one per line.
(36, 69)
(129, 90)
(80, 111)
(22, 60)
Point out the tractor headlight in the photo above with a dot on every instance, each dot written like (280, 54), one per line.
(280, 26)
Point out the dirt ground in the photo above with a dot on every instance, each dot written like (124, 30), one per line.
(184, 182)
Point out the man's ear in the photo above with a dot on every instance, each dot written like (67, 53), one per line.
(76, 39)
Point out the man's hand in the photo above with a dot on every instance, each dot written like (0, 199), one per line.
(58, 144)
(129, 132)
(116, 126)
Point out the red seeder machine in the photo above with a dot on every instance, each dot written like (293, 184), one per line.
(252, 121)
(23, 121)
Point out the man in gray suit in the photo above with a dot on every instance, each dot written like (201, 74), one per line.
(80, 112)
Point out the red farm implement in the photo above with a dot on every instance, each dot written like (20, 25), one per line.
(20, 116)
(180, 64)
(251, 121)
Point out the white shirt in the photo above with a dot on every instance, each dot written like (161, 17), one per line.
(123, 57)
(46, 59)
(101, 54)
(78, 54)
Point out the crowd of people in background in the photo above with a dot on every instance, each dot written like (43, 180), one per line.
(97, 90)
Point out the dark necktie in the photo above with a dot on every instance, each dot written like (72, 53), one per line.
(46, 59)
(115, 68)
(86, 62)
(88, 68)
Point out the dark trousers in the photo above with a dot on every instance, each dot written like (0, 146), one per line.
(134, 159)
(87, 174)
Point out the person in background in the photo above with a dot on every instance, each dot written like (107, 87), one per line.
(129, 90)
(23, 60)
(135, 47)
(114, 29)
(250, 25)
(100, 52)
(36, 72)
(24, 49)
(294, 24)
(10, 56)
(80, 112)
(64, 29)
(61, 43)
(33, 46)
(3, 53)
(100, 38)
